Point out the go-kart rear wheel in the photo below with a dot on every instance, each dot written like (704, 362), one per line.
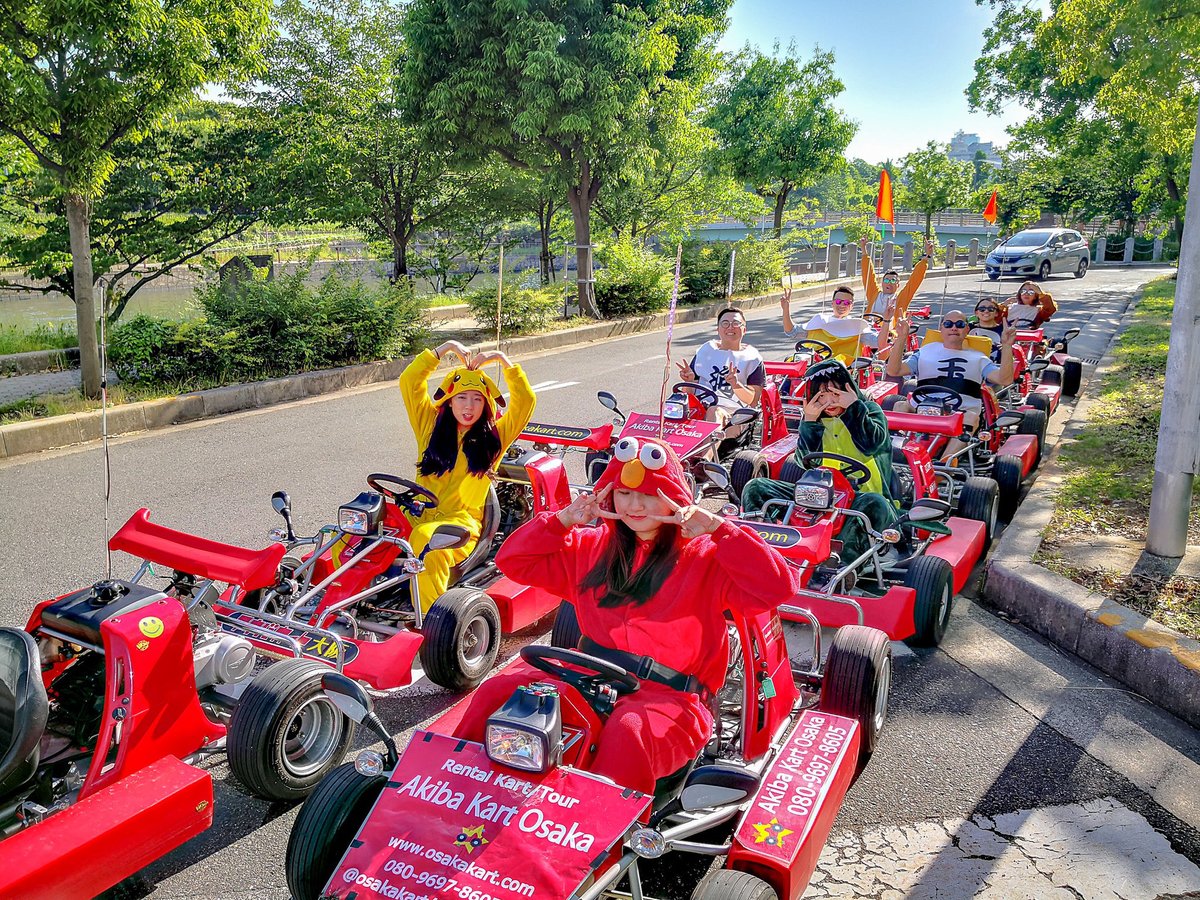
(325, 826)
(1008, 473)
(933, 580)
(980, 500)
(1035, 423)
(730, 884)
(790, 471)
(1052, 374)
(888, 403)
(1072, 376)
(1039, 401)
(285, 734)
(462, 638)
(858, 680)
(565, 633)
(747, 464)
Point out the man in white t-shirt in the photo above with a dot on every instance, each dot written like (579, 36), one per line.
(731, 368)
(839, 323)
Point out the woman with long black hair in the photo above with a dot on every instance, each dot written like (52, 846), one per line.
(650, 587)
(460, 439)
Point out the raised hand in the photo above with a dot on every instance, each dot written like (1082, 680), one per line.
(903, 327)
(457, 349)
(685, 371)
(483, 357)
(1008, 336)
(843, 398)
(586, 507)
(692, 520)
(731, 376)
(786, 300)
(814, 406)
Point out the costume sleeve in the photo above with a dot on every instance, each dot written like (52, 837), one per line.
(867, 425)
(911, 286)
(870, 285)
(1049, 308)
(421, 411)
(757, 577)
(521, 401)
(809, 437)
(542, 553)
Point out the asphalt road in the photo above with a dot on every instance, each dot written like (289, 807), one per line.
(993, 724)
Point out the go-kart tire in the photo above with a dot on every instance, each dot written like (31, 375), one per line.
(593, 456)
(1007, 473)
(933, 580)
(747, 464)
(1039, 401)
(730, 884)
(1035, 423)
(565, 633)
(462, 638)
(1072, 376)
(857, 681)
(285, 734)
(889, 402)
(1052, 374)
(325, 826)
(980, 500)
(790, 471)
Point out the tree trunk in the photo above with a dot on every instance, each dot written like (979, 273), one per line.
(580, 197)
(79, 217)
(545, 215)
(1173, 192)
(928, 225)
(399, 255)
(780, 202)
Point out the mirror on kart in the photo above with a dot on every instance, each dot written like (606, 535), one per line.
(281, 502)
(743, 416)
(716, 474)
(347, 695)
(1037, 365)
(1010, 419)
(712, 786)
(447, 537)
(927, 509)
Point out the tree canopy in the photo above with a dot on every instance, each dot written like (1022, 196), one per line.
(932, 181)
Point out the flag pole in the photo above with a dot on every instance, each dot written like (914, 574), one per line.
(662, 395)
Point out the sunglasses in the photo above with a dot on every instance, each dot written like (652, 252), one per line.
(849, 301)
(954, 323)
(987, 309)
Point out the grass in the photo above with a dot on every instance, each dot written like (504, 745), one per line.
(41, 337)
(1109, 471)
(46, 405)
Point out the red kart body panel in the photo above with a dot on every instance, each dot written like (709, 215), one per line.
(766, 662)
(102, 840)
(878, 390)
(892, 613)
(682, 436)
(204, 558)
(962, 548)
(782, 834)
(948, 425)
(778, 452)
(1024, 447)
(1052, 393)
(568, 436)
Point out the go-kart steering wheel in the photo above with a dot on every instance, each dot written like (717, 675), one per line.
(856, 473)
(819, 349)
(874, 319)
(556, 660)
(410, 497)
(704, 393)
(939, 396)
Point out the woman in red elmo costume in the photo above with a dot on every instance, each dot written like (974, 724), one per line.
(653, 578)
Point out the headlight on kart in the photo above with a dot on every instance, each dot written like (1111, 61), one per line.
(648, 843)
(526, 732)
(675, 410)
(814, 490)
(362, 515)
(368, 763)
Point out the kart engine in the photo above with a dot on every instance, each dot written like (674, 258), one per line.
(77, 697)
(221, 659)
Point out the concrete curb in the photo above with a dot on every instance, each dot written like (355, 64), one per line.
(39, 361)
(61, 431)
(1155, 661)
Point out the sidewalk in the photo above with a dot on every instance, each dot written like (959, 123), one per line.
(24, 387)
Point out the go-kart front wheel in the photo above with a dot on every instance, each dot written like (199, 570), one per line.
(730, 884)
(1035, 422)
(980, 500)
(566, 632)
(1072, 376)
(1008, 474)
(286, 734)
(462, 638)
(933, 580)
(858, 681)
(747, 464)
(326, 825)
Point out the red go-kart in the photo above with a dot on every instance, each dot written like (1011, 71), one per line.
(112, 694)
(522, 817)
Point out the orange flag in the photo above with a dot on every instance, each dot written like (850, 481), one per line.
(989, 211)
(884, 210)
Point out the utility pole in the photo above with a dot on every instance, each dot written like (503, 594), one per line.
(1179, 432)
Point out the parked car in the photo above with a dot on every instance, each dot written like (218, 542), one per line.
(1040, 252)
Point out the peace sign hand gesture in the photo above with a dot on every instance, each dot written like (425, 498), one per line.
(692, 520)
(586, 507)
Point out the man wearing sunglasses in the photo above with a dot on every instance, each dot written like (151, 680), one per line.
(952, 365)
(839, 324)
(885, 296)
(732, 368)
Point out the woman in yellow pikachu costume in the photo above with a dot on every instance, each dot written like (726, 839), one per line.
(460, 439)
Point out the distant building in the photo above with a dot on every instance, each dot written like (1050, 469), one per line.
(963, 148)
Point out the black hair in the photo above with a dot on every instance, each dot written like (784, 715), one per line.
(842, 289)
(481, 444)
(891, 272)
(730, 309)
(614, 572)
(823, 378)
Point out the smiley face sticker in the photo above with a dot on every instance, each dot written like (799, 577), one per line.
(151, 626)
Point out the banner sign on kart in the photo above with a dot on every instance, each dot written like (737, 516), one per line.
(682, 437)
(451, 823)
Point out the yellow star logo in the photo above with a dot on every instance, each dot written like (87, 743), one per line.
(771, 833)
(470, 838)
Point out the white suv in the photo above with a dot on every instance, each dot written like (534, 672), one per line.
(1040, 252)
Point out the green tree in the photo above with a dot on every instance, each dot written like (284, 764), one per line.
(78, 76)
(777, 126)
(932, 181)
(196, 181)
(567, 89)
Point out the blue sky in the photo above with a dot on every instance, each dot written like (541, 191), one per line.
(905, 64)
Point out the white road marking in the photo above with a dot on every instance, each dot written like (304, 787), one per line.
(552, 385)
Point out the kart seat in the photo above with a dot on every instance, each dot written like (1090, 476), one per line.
(487, 534)
(23, 708)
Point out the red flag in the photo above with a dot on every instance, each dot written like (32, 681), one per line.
(989, 211)
(884, 210)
